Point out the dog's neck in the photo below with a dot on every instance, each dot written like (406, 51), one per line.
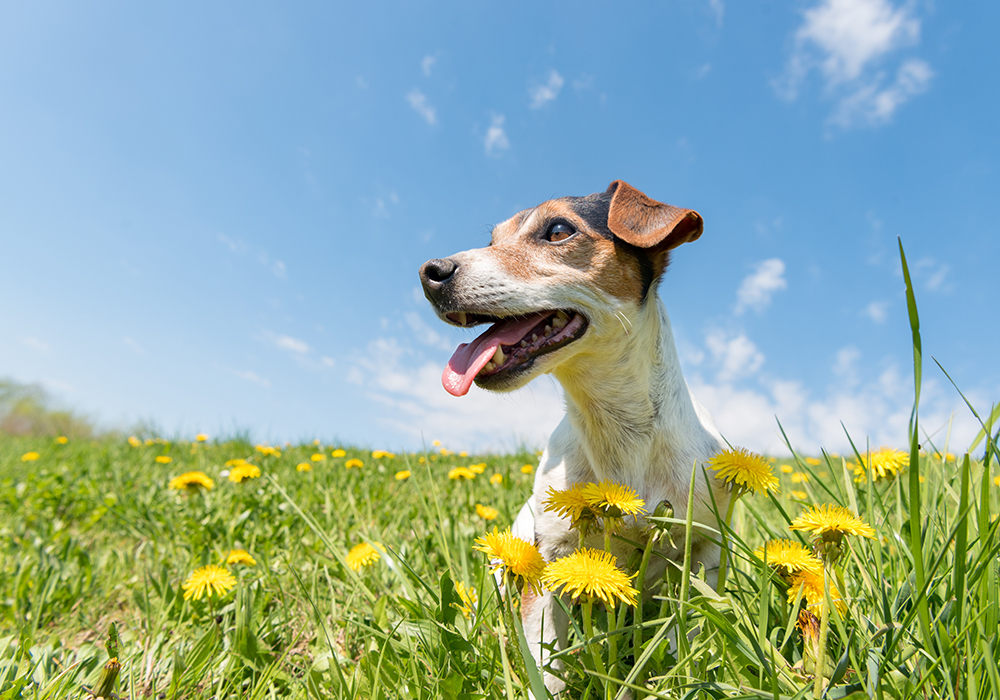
(634, 404)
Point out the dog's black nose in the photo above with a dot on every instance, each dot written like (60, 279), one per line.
(434, 273)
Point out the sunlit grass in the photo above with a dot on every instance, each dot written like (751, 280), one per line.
(353, 573)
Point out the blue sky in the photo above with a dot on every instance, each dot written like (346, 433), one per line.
(211, 217)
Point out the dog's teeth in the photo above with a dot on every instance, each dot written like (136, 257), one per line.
(559, 321)
(534, 337)
(490, 367)
(498, 356)
(548, 329)
(524, 343)
(461, 318)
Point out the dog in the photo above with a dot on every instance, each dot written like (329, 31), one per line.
(570, 289)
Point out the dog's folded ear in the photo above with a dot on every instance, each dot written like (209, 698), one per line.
(645, 223)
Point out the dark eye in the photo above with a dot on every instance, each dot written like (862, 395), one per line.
(559, 232)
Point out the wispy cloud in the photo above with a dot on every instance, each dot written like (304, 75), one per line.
(759, 286)
(418, 101)
(427, 64)
(734, 357)
(249, 376)
(240, 247)
(544, 93)
(877, 311)
(496, 138)
(851, 42)
(286, 342)
(718, 10)
(134, 346)
(35, 344)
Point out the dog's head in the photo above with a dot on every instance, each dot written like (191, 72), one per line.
(552, 278)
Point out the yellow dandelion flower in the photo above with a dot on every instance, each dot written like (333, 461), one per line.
(527, 469)
(786, 469)
(593, 573)
(235, 462)
(611, 500)
(519, 559)
(486, 512)
(318, 457)
(469, 599)
(831, 523)
(62, 440)
(303, 467)
(478, 468)
(798, 495)
(338, 453)
(402, 475)
(445, 452)
(268, 451)
(164, 459)
(212, 579)
(317, 442)
(788, 557)
(382, 454)
(191, 481)
(436, 443)
(824, 474)
(461, 473)
(242, 472)
(811, 584)
(201, 437)
(134, 441)
(882, 463)
(463, 453)
(800, 478)
(353, 463)
(497, 479)
(30, 456)
(744, 470)
(240, 556)
(364, 554)
(569, 503)
(996, 480)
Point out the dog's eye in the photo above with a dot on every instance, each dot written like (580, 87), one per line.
(559, 232)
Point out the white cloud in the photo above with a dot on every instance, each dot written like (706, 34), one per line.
(35, 343)
(932, 273)
(877, 311)
(718, 11)
(418, 101)
(496, 137)
(134, 346)
(327, 361)
(408, 387)
(734, 357)
(278, 269)
(295, 345)
(427, 64)
(850, 42)
(873, 105)
(250, 377)
(542, 94)
(757, 288)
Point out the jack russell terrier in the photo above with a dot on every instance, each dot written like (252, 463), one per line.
(570, 288)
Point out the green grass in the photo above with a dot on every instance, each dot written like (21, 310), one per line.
(91, 535)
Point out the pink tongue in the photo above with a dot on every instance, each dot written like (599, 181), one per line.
(469, 358)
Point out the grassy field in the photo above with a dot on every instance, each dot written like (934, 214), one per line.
(359, 578)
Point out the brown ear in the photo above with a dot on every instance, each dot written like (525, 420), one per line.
(646, 223)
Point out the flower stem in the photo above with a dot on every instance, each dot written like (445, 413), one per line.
(724, 555)
(640, 584)
(588, 629)
(824, 628)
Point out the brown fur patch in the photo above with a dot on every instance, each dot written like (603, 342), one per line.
(518, 246)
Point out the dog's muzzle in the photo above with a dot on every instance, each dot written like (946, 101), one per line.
(435, 275)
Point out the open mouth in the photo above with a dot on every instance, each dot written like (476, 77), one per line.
(510, 346)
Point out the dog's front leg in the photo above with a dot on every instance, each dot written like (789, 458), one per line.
(544, 623)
